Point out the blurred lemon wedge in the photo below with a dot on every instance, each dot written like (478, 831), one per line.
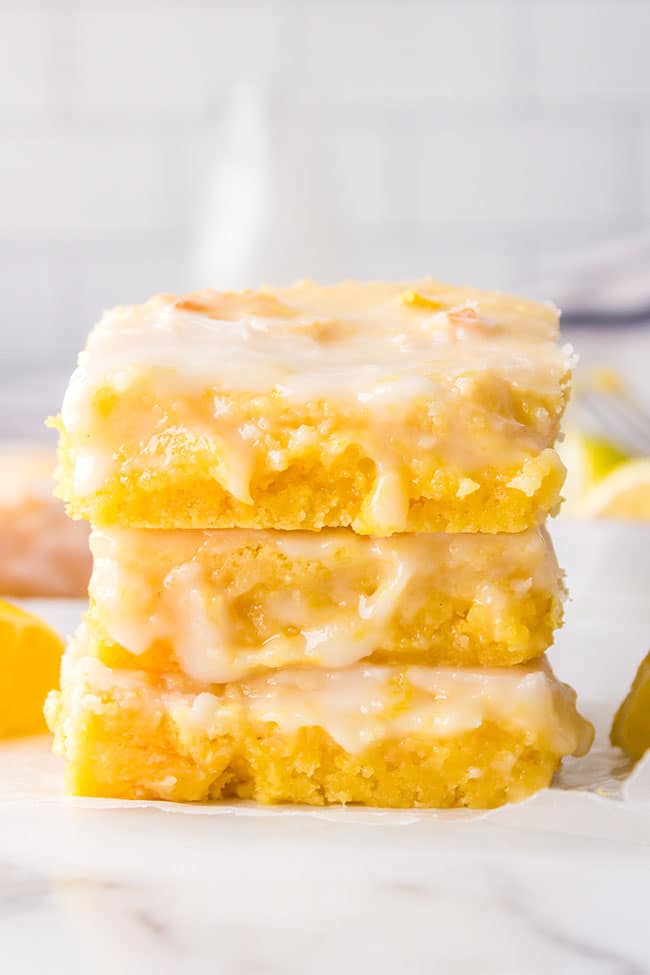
(30, 655)
(588, 460)
(631, 728)
(623, 493)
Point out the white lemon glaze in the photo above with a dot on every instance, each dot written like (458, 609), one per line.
(375, 349)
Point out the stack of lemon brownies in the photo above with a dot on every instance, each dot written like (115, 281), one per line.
(321, 572)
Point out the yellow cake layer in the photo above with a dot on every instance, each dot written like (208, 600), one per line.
(386, 736)
(387, 408)
(223, 605)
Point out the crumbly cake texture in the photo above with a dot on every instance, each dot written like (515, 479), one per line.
(224, 605)
(370, 406)
(134, 735)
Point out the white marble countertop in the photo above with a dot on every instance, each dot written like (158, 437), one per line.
(144, 890)
(559, 884)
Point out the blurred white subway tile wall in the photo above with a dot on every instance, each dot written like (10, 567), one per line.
(477, 140)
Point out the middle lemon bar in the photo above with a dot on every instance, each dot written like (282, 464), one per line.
(223, 605)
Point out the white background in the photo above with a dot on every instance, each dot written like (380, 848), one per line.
(475, 140)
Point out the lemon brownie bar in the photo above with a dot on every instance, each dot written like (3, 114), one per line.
(227, 604)
(42, 552)
(387, 408)
(380, 735)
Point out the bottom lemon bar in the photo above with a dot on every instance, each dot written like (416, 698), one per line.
(379, 735)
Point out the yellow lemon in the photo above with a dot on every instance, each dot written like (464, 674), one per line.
(623, 493)
(631, 728)
(416, 300)
(588, 460)
(30, 655)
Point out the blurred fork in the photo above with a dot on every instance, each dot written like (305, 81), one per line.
(618, 418)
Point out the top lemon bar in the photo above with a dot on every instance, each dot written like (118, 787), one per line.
(384, 407)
